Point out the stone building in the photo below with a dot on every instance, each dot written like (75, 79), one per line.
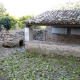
(62, 26)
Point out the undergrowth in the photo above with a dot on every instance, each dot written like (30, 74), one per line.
(34, 66)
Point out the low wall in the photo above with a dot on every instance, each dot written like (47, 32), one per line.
(11, 38)
(53, 48)
(62, 38)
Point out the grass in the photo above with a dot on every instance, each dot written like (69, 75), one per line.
(33, 66)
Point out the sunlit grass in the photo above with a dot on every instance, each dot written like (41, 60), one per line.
(34, 66)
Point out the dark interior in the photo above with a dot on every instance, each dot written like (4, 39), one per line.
(21, 43)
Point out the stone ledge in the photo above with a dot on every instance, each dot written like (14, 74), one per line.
(53, 48)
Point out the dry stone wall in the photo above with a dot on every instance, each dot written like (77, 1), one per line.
(11, 39)
(39, 35)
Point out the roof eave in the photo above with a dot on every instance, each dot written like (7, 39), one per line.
(55, 25)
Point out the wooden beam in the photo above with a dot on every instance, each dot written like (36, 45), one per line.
(55, 25)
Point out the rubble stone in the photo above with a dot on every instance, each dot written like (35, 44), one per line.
(11, 39)
(39, 35)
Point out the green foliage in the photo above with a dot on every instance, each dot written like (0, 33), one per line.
(34, 66)
(2, 10)
(6, 22)
(69, 5)
(10, 21)
(39, 27)
(13, 20)
(21, 19)
(3, 19)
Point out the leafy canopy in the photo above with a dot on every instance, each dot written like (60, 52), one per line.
(69, 5)
(6, 22)
(21, 19)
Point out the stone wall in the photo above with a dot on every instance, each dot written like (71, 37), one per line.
(39, 35)
(53, 48)
(11, 39)
(72, 39)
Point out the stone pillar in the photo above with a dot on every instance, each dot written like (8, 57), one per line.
(28, 34)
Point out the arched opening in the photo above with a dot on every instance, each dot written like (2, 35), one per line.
(21, 43)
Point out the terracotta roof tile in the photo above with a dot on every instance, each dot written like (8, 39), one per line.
(56, 17)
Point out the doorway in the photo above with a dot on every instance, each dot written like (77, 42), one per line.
(21, 43)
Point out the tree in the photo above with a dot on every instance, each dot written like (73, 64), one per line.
(77, 5)
(20, 20)
(68, 5)
(5, 19)
(6, 22)
(12, 19)
(2, 10)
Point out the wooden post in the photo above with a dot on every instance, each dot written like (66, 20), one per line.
(30, 34)
(68, 31)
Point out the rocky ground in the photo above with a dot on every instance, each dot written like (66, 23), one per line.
(7, 51)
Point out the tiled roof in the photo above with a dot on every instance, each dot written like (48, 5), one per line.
(56, 17)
